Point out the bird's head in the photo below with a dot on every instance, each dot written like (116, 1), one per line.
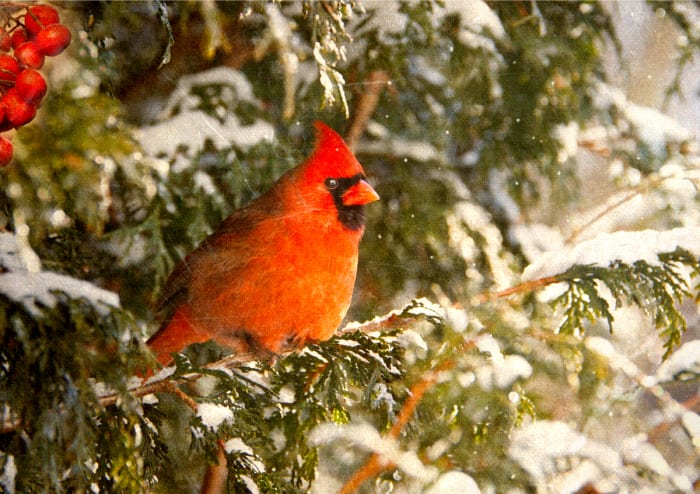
(331, 179)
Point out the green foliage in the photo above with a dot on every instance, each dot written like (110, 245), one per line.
(53, 399)
(67, 176)
(325, 382)
(656, 289)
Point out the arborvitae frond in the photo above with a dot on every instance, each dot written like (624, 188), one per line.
(54, 348)
(656, 289)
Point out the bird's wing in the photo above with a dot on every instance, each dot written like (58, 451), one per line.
(220, 254)
(174, 292)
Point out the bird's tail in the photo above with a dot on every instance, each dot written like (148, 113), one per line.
(175, 335)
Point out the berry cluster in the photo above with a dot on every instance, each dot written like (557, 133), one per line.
(26, 37)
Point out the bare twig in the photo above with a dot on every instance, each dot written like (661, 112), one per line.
(648, 184)
(628, 197)
(389, 321)
(528, 286)
(366, 104)
(215, 477)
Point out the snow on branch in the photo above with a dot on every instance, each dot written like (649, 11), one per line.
(655, 129)
(566, 460)
(366, 437)
(184, 123)
(606, 248)
(36, 290)
(649, 269)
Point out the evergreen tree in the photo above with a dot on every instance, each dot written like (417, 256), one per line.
(529, 278)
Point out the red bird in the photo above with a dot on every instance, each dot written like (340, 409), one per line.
(279, 272)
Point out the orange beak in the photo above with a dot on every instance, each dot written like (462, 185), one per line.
(359, 194)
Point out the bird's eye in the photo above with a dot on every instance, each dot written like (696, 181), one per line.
(331, 184)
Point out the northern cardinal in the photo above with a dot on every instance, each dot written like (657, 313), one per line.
(279, 272)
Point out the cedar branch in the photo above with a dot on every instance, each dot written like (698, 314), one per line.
(376, 464)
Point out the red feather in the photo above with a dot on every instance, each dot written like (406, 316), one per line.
(279, 272)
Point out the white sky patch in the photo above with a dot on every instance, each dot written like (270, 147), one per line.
(367, 438)
(605, 248)
(33, 289)
(213, 415)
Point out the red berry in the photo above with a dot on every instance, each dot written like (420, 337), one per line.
(19, 36)
(53, 39)
(39, 16)
(5, 41)
(17, 111)
(5, 151)
(31, 86)
(9, 68)
(29, 55)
